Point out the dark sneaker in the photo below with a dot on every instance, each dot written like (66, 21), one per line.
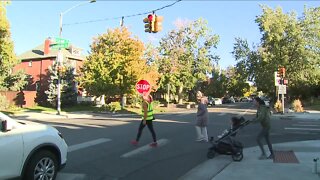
(271, 156)
(263, 156)
(134, 142)
(154, 144)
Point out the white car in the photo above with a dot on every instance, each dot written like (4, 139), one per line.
(30, 150)
(215, 101)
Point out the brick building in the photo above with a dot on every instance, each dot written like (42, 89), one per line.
(36, 62)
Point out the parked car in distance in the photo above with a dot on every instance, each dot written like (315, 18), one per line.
(244, 99)
(227, 100)
(30, 150)
(214, 101)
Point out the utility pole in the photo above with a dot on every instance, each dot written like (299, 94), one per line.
(60, 54)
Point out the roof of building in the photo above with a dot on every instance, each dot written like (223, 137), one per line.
(38, 53)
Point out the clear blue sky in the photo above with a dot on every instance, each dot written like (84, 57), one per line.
(32, 21)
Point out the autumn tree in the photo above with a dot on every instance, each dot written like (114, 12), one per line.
(187, 57)
(9, 80)
(115, 64)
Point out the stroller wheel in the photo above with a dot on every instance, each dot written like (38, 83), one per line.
(238, 156)
(211, 154)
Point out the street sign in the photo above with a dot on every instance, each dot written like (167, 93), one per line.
(282, 89)
(58, 43)
(143, 86)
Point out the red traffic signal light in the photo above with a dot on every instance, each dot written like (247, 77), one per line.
(282, 72)
(149, 23)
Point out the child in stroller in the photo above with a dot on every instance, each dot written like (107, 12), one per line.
(226, 143)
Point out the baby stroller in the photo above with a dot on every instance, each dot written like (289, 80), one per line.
(226, 143)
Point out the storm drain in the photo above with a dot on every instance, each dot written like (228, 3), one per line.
(285, 157)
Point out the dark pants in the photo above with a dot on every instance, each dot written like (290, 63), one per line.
(264, 133)
(150, 126)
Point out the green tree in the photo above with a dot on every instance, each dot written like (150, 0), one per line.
(187, 57)
(9, 80)
(292, 43)
(68, 93)
(115, 64)
(287, 41)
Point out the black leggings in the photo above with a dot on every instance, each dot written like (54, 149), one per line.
(150, 126)
(264, 133)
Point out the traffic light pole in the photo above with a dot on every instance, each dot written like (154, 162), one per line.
(282, 95)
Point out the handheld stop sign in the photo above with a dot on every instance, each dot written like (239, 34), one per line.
(143, 86)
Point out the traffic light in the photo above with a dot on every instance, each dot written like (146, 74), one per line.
(158, 24)
(282, 72)
(149, 23)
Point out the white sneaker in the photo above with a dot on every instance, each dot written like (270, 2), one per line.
(201, 139)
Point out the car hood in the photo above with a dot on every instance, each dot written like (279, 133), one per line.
(34, 126)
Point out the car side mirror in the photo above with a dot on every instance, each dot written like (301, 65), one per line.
(4, 126)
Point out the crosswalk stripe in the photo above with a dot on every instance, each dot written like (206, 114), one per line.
(221, 114)
(87, 144)
(70, 176)
(145, 148)
(306, 125)
(303, 129)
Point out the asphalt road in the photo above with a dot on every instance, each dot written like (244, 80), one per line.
(100, 149)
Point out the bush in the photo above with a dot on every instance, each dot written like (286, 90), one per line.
(4, 103)
(135, 101)
(278, 106)
(112, 107)
(156, 103)
(297, 106)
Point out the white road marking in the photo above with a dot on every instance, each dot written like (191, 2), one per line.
(145, 148)
(163, 120)
(70, 176)
(221, 114)
(306, 125)
(308, 122)
(303, 129)
(87, 144)
(245, 112)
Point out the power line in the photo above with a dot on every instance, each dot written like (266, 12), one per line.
(121, 17)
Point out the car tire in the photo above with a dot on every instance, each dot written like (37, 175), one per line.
(43, 163)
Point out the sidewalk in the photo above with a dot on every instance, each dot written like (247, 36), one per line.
(222, 167)
(308, 115)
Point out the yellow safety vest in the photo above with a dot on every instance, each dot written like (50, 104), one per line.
(149, 112)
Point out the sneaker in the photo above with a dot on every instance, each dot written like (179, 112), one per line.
(263, 156)
(200, 139)
(271, 156)
(134, 142)
(154, 144)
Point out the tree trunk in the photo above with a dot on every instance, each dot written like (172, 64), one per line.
(180, 97)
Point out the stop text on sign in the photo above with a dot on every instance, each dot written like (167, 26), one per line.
(143, 86)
